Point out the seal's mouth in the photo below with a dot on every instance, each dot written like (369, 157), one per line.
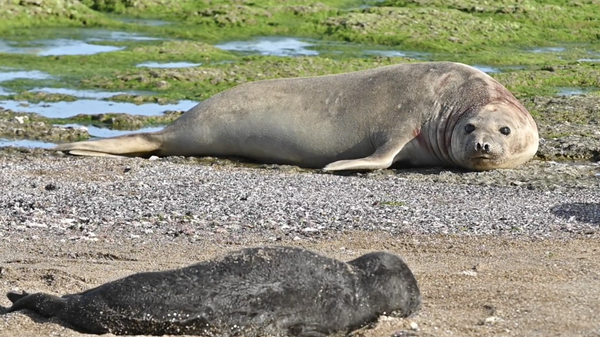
(484, 162)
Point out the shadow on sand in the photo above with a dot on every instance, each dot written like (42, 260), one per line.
(581, 211)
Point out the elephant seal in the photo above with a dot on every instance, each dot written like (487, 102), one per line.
(267, 291)
(420, 114)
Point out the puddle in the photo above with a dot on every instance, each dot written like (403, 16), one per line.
(83, 93)
(486, 69)
(397, 53)
(72, 42)
(97, 132)
(289, 46)
(276, 46)
(144, 22)
(107, 35)
(568, 91)
(93, 107)
(58, 47)
(168, 65)
(25, 143)
(32, 75)
(588, 60)
(548, 50)
(14, 75)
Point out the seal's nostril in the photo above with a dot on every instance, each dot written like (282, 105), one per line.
(486, 147)
(478, 146)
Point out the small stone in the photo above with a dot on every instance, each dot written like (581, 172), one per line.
(21, 119)
(490, 320)
(37, 225)
(50, 187)
(414, 326)
(469, 273)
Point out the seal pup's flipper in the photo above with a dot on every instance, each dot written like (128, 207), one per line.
(382, 158)
(132, 145)
(307, 330)
(44, 304)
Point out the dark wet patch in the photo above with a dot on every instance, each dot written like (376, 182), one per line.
(588, 212)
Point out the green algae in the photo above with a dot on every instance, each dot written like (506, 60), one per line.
(546, 79)
(47, 13)
(202, 82)
(495, 33)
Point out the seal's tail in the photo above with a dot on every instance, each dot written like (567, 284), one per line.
(133, 145)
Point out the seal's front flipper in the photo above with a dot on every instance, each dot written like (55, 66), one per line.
(133, 145)
(382, 158)
(308, 330)
(44, 304)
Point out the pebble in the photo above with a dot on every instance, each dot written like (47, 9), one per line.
(174, 196)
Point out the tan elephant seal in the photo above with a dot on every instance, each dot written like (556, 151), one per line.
(420, 114)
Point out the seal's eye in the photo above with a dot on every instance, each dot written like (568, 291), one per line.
(469, 128)
(505, 131)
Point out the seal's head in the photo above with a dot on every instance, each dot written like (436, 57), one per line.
(497, 136)
(391, 285)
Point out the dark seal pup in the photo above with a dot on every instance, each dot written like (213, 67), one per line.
(277, 290)
(420, 114)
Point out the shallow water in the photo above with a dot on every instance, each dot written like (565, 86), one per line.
(168, 65)
(73, 42)
(398, 53)
(25, 143)
(571, 91)
(93, 107)
(276, 46)
(21, 74)
(58, 47)
(291, 46)
(95, 94)
(486, 69)
(548, 50)
(94, 131)
(144, 22)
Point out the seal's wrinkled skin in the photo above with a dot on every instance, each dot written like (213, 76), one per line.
(421, 114)
(276, 291)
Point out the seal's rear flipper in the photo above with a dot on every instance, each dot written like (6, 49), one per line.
(13, 296)
(44, 304)
(91, 153)
(133, 145)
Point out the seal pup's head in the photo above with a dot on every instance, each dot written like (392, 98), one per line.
(498, 136)
(388, 284)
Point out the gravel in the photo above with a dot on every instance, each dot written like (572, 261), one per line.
(70, 198)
